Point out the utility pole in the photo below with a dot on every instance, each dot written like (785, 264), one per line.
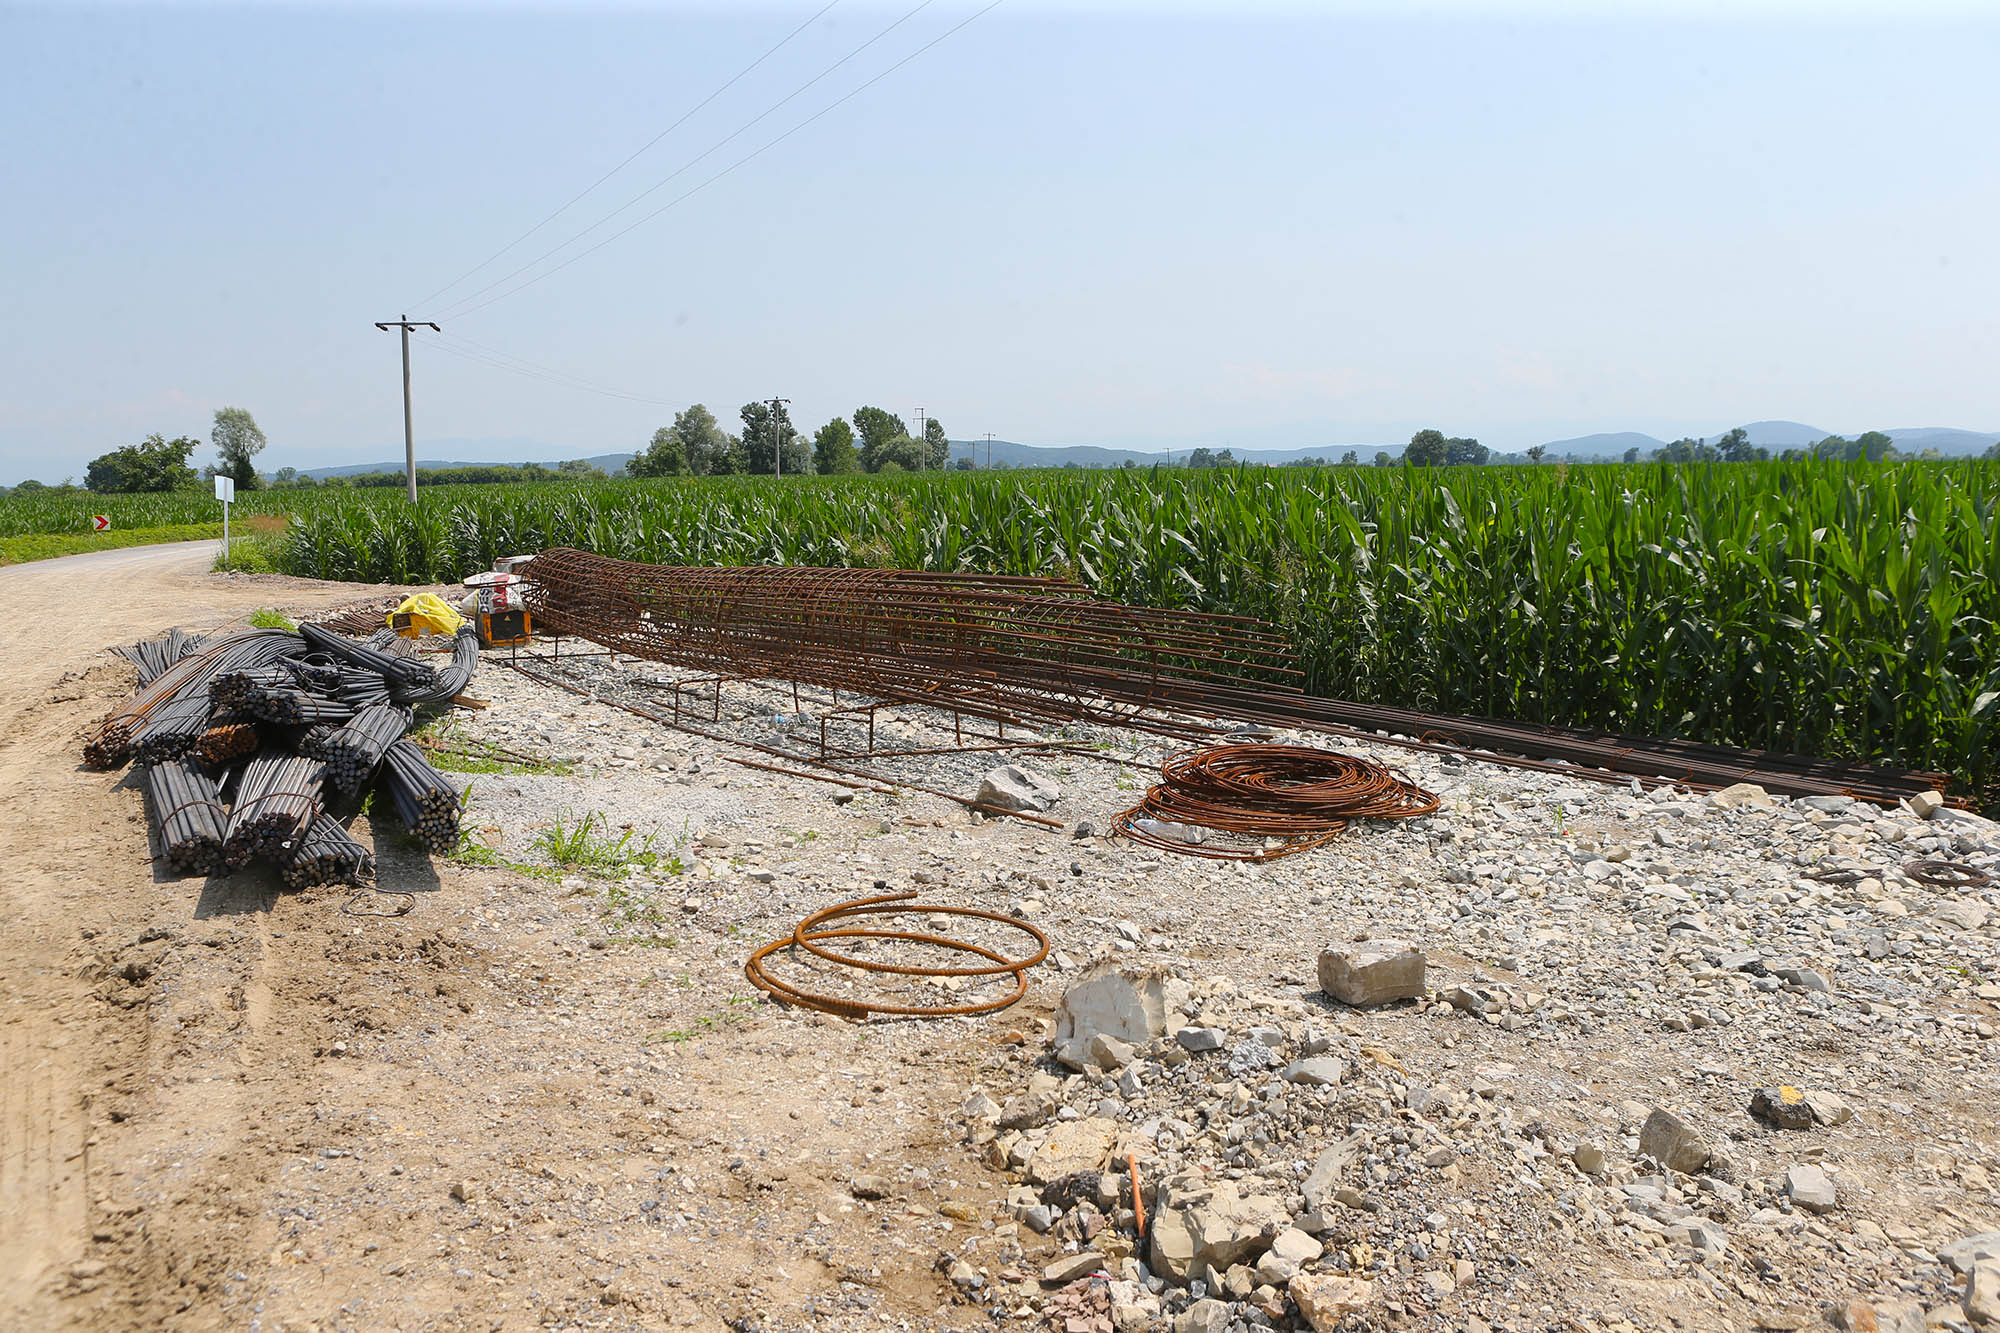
(777, 438)
(923, 449)
(409, 434)
(989, 451)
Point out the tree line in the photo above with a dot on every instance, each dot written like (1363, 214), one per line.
(877, 440)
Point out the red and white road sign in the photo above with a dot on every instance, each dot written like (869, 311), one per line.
(100, 522)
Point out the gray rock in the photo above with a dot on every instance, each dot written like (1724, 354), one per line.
(1204, 1316)
(1011, 787)
(1111, 1053)
(1781, 1105)
(1197, 1040)
(1327, 1171)
(1829, 1109)
(1477, 999)
(1961, 1255)
(1700, 1235)
(1589, 1159)
(1811, 1188)
(1981, 1301)
(1027, 1111)
(1070, 1267)
(1318, 1072)
(1799, 975)
(1668, 1140)
(1379, 972)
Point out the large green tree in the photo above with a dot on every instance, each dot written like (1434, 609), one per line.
(154, 464)
(666, 456)
(237, 443)
(1461, 452)
(937, 445)
(899, 454)
(1425, 449)
(877, 427)
(707, 444)
(833, 449)
(767, 429)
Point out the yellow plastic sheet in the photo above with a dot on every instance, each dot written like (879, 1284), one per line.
(429, 614)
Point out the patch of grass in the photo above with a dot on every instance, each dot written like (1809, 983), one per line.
(258, 551)
(589, 844)
(265, 618)
(48, 545)
(452, 751)
(737, 1012)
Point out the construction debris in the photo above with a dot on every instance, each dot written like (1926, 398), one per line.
(246, 737)
(1038, 651)
(810, 935)
(1274, 800)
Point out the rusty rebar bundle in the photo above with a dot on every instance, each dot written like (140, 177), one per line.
(1265, 801)
(1044, 652)
(811, 935)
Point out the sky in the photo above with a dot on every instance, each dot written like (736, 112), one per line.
(1141, 225)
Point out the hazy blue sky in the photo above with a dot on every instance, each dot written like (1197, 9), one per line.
(1129, 224)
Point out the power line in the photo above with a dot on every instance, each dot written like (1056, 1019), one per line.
(733, 81)
(692, 162)
(461, 308)
(546, 375)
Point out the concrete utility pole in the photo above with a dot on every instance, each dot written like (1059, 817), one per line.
(923, 447)
(778, 438)
(409, 435)
(989, 451)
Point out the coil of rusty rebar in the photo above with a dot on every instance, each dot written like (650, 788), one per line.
(811, 934)
(1298, 796)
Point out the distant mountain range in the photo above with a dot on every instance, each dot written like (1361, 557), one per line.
(1781, 435)
(1773, 435)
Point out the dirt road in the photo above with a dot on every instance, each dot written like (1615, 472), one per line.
(223, 1106)
(77, 872)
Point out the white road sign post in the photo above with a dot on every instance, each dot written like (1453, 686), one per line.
(225, 491)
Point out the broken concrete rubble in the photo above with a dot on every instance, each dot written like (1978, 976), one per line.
(1379, 972)
(1128, 1003)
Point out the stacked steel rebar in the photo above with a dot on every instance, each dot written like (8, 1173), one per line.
(298, 718)
(1046, 651)
(353, 751)
(327, 854)
(427, 804)
(188, 813)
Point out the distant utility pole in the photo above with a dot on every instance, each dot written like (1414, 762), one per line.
(778, 438)
(923, 449)
(409, 435)
(989, 451)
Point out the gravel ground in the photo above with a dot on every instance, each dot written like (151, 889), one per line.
(547, 1096)
(1594, 952)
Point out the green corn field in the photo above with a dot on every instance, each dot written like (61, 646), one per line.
(1836, 609)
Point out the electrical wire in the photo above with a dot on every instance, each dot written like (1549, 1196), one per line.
(462, 309)
(543, 374)
(634, 156)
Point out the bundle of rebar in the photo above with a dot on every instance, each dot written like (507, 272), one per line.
(295, 715)
(188, 813)
(226, 740)
(427, 804)
(293, 707)
(277, 797)
(154, 656)
(111, 744)
(1043, 651)
(401, 672)
(327, 854)
(452, 680)
(1265, 801)
(352, 751)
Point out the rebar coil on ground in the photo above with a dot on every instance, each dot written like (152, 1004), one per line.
(1298, 795)
(809, 936)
